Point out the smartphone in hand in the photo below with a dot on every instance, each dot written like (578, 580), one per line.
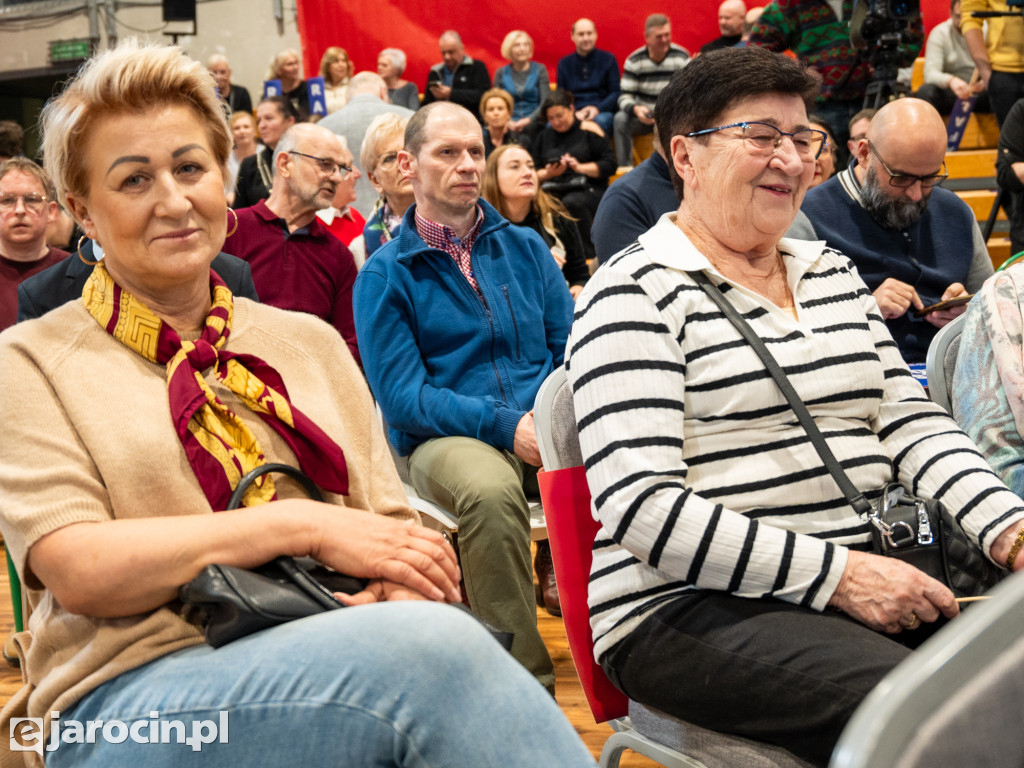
(959, 301)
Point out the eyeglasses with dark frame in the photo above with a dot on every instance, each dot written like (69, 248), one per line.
(764, 139)
(33, 203)
(906, 180)
(328, 167)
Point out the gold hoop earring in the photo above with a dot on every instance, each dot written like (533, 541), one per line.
(80, 256)
(234, 228)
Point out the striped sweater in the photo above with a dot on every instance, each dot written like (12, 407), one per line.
(701, 475)
(642, 79)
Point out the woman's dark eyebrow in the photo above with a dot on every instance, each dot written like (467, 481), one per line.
(127, 159)
(186, 148)
(143, 159)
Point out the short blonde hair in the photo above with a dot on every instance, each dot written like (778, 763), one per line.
(278, 60)
(509, 41)
(382, 129)
(331, 55)
(497, 93)
(130, 78)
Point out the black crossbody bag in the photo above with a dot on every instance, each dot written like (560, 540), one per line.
(918, 531)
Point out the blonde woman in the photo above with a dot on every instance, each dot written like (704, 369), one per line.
(246, 144)
(286, 66)
(335, 67)
(525, 79)
(107, 507)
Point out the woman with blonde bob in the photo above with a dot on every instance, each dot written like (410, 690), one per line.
(511, 185)
(286, 66)
(525, 79)
(129, 417)
(335, 68)
(385, 138)
(496, 107)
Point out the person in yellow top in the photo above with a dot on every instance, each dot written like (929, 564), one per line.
(998, 52)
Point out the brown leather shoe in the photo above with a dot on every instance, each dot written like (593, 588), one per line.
(546, 588)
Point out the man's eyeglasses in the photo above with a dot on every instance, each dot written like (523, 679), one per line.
(33, 203)
(764, 139)
(904, 180)
(327, 166)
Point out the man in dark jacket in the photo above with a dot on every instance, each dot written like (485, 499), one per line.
(457, 78)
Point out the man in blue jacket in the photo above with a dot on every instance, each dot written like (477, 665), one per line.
(460, 318)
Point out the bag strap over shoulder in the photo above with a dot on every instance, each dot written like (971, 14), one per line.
(856, 499)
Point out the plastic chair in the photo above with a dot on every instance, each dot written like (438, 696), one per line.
(440, 519)
(956, 701)
(940, 362)
(671, 742)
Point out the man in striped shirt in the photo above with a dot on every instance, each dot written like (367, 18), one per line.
(647, 70)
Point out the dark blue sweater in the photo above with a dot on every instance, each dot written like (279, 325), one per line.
(591, 79)
(930, 255)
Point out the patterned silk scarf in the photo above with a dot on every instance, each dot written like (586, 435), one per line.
(219, 446)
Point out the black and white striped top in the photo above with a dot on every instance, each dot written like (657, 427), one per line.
(642, 79)
(700, 472)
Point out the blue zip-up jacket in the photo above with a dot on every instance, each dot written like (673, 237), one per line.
(440, 360)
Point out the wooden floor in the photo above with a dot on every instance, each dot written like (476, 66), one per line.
(569, 694)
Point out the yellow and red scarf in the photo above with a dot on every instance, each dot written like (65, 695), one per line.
(219, 446)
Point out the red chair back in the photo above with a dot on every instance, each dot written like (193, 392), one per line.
(571, 531)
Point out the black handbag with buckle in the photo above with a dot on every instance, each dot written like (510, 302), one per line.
(235, 602)
(918, 531)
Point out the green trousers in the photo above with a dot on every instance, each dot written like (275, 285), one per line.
(485, 488)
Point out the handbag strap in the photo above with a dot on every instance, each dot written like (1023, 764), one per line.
(856, 499)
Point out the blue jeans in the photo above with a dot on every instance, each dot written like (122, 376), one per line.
(393, 684)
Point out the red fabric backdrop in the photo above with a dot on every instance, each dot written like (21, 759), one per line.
(364, 28)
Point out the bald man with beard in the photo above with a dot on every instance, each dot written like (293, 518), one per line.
(913, 243)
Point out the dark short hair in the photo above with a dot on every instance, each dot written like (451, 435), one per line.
(284, 106)
(557, 98)
(12, 137)
(713, 82)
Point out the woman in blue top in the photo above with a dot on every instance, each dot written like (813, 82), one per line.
(526, 80)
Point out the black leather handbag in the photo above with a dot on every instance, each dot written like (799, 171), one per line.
(235, 602)
(918, 531)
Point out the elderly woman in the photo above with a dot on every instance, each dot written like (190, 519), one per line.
(121, 449)
(525, 79)
(286, 66)
(274, 116)
(732, 583)
(246, 144)
(496, 111)
(390, 66)
(573, 164)
(335, 67)
(511, 185)
(385, 138)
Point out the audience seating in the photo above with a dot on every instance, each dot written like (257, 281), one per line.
(669, 741)
(940, 362)
(436, 517)
(955, 702)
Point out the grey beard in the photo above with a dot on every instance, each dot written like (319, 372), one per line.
(889, 212)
